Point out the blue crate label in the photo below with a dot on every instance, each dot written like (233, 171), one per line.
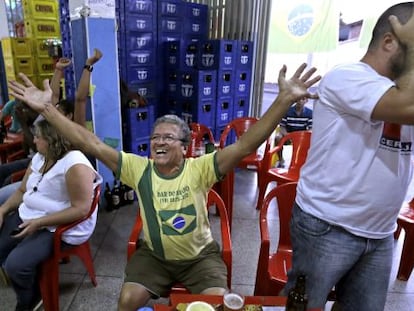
(228, 60)
(207, 60)
(187, 90)
(244, 59)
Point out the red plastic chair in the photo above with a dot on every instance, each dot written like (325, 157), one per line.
(49, 269)
(272, 269)
(300, 145)
(214, 200)
(238, 127)
(199, 133)
(406, 221)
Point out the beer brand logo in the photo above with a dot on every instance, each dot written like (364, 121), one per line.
(171, 25)
(226, 89)
(142, 58)
(207, 91)
(171, 8)
(244, 59)
(142, 74)
(141, 42)
(140, 5)
(141, 24)
(242, 87)
(196, 12)
(186, 90)
(142, 91)
(172, 60)
(227, 60)
(207, 60)
(196, 27)
(189, 60)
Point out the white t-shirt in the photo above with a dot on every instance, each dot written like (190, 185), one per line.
(354, 176)
(52, 195)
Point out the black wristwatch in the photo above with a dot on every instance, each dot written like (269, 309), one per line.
(88, 68)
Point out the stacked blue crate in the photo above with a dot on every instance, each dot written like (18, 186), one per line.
(220, 55)
(65, 30)
(170, 27)
(198, 96)
(137, 46)
(243, 78)
(137, 126)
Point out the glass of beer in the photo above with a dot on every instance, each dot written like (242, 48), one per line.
(233, 301)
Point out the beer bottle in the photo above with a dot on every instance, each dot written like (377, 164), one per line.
(3, 132)
(297, 299)
(130, 194)
(123, 194)
(108, 197)
(116, 197)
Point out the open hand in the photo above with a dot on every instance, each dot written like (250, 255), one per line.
(405, 33)
(30, 94)
(297, 87)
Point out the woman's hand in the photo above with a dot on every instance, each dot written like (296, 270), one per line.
(28, 227)
(30, 94)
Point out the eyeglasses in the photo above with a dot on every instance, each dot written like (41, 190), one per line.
(166, 138)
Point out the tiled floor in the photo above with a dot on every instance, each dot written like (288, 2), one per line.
(109, 249)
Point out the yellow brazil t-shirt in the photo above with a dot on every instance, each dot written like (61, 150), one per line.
(173, 209)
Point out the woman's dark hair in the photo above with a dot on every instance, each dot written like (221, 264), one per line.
(58, 146)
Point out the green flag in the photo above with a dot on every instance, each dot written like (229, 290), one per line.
(303, 26)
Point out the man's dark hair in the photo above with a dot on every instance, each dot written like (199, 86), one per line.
(67, 106)
(402, 10)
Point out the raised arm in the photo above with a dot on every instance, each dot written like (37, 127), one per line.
(397, 104)
(79, 136)
(289, 91)
(57, 77)
(83, 88)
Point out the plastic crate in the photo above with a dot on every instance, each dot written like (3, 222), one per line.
(171, 8)
(38, 9)
(42, 28)
(140, 6)
(218, 54)
(45, 65)
(40, 48)
(24, 65)
(16, 47)
(225, 83)
(224, 111)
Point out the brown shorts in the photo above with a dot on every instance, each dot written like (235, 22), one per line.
(158, 275)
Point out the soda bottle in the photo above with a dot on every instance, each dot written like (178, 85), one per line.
(297, 299)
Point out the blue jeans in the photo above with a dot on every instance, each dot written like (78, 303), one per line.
(7, 191)
(21, 258)
(6, 169)
(358, 268)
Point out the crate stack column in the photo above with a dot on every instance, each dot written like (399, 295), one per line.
(99, 31)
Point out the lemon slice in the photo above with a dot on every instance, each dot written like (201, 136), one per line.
(199, 306)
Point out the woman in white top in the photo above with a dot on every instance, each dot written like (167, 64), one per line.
(57, 189)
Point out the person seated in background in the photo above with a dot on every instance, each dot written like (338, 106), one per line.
(57, 189)
(298, 118)
(172, 191)
(25, 115)
(9, 110)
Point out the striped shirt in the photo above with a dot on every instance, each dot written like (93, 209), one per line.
(293, 122)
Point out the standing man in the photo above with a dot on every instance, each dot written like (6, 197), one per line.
(172, 192)
(357, 172)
